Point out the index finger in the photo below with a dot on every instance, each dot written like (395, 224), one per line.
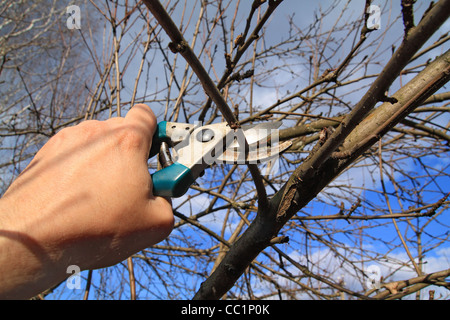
(143, 118)
(142, 115)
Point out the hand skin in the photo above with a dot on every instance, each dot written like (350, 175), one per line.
(85, 199)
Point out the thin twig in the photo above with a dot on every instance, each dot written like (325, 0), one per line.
(132, 279)
(416, 267)
(88, 285)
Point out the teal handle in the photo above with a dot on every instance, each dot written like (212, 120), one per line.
(172, 181)
(159, 137)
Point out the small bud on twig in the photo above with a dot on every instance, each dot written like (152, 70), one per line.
(238, 41)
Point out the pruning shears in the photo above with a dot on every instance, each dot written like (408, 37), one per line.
(197, 147)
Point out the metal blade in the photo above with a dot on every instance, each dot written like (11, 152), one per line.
(256, 155)
(255, 133)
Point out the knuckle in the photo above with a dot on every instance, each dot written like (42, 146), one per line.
(130, 137)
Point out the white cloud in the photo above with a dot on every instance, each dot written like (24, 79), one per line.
(340, 266)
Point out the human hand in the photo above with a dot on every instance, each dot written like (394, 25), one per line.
(85, 199)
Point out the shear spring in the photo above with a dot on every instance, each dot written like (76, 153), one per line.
(165, 158)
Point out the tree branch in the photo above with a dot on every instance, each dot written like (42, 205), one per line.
(398, 289)
(417, 37)
(408, 15)
(319, 169)
(180, 45)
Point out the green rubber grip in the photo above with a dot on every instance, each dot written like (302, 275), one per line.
(159, 137)
(172, 181)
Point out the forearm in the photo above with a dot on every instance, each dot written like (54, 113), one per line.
(26, 267)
